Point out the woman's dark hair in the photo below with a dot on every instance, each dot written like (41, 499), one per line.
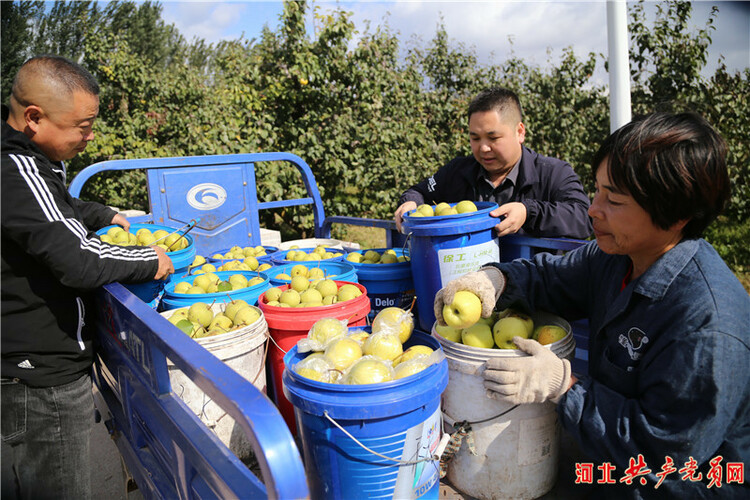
(673, 165)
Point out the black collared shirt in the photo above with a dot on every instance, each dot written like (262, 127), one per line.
(503, 193)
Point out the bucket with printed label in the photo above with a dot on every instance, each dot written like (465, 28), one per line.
(516, 448)
(446, 247)
(371, 440)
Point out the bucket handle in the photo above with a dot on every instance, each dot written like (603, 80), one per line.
(277, 345)
(433, 458)
(451, 443)
(451, 421)
(190, 225)
(406, 243)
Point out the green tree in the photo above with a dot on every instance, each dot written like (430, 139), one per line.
(370, 117)
(17, 19)
(667, 63)
(666, 60)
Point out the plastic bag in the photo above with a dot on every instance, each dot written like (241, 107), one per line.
(321, 334)
(368, 370)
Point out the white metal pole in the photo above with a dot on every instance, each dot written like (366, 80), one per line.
(619, 68)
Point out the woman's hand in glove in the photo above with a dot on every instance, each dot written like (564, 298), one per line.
(487, 284)
(537, 378)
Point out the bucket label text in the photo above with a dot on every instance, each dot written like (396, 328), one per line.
(420, 477)
(455, 262)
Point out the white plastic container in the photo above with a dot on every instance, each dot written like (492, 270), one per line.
(243, 350)
(314, 242)
(517, 453)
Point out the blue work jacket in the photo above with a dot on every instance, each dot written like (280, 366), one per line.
(669, 363)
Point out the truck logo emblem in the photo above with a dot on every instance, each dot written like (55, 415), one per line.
(206, 196)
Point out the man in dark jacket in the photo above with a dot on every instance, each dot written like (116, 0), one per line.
(51, 261)
(537, 195)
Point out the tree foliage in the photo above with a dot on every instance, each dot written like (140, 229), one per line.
(368, 114)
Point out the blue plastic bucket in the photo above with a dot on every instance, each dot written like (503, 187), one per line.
(280, 256)
(388, 285)
(150, 291)
(399, 419)
(337, 271)
(172, 300)
(445, 247)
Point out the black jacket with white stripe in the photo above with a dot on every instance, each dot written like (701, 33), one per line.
(51, 261)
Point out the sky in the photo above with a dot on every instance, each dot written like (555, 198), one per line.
(539, 29)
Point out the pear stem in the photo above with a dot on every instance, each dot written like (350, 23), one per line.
(413, 301)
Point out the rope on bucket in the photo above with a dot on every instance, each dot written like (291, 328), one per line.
(462, 430)
(277, 345)
(433, 458)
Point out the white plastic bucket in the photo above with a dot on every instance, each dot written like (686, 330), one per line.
(243, 350)
(517, 448)
(314, 242)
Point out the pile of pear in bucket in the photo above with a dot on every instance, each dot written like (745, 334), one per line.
(465, 326)
(441, 209)
(320, 252)
(236, 262)
(338, 355)
(309, 287)
(170, 242)
(201, 320)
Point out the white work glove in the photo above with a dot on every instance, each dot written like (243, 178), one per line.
(540, 377)
(487, 284)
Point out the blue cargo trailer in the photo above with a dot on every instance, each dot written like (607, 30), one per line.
(167, 449)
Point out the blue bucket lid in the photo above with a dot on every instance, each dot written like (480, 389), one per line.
(397, 270)
(440, 225)
(338, 270)
(169, 287)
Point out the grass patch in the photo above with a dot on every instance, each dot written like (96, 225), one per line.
(367, 237)
(744, 278)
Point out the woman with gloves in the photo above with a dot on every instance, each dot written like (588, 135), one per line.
(668, 388)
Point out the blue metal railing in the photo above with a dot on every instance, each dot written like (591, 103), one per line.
(220, 191)
(167, 449)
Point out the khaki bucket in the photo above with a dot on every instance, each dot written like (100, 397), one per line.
(243, 350)
(517, 449)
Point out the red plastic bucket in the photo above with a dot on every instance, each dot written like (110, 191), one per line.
(287, 325)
